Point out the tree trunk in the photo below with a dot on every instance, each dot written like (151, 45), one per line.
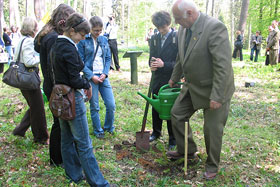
(261, 10)
(249, 34)
(232, 22)
(207, 3)
(243, 15)
(1, 17)
(213, 7)
(271, 8)
(123, 19)
(128, 23)
(38, 9)
(276, 9)
(17, 16)
(12, 12)
(75, 4)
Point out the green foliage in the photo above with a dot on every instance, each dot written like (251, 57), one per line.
(262, 13)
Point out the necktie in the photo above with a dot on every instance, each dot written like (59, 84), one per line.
(163, 38)
(188, 38)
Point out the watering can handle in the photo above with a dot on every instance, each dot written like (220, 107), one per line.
(167, 86)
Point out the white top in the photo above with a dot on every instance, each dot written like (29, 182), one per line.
(112, 30)
(97, 66)
(28, 55)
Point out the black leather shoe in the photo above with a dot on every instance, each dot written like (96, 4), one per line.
(153, 138)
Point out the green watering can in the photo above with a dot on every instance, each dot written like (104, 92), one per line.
(164, 100)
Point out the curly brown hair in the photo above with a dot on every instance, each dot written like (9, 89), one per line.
(57, 21)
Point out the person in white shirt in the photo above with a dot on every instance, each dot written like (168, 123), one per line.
(111, 30)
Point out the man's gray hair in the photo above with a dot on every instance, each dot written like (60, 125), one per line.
(183, 4)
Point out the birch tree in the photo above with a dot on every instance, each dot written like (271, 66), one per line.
(243, 15)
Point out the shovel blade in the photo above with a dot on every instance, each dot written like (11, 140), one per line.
(143, 140)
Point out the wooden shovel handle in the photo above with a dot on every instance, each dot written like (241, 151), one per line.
(186, 148)
(147, 105)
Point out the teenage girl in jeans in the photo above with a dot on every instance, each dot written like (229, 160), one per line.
(95, 52)
(76, 145)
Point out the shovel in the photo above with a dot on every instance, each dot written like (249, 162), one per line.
(143, 137)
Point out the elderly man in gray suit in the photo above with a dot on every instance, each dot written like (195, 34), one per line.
(204, 58)
(273, 43)
(255, 45)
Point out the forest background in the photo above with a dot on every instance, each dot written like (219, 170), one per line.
(134, 16)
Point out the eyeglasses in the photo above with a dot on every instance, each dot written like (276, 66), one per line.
(97, 31)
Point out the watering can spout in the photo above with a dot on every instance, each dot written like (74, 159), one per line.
(154, 102)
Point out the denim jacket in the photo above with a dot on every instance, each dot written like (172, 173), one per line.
(86, 51)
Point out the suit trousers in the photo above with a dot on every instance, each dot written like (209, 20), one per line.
(157, 124)
(235, 53)
(114, 52)
(273, 56)
(257, 51)
(214, 122)
(34, 117)
(55, 136)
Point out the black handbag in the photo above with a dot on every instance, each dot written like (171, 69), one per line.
(20, 76)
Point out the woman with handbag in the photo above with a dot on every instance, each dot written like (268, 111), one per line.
(238, 45)
(76, 145)
(95, 52)
(35, 115)
(43, 43)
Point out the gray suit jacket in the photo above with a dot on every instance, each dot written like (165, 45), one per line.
(254, 40)
(273, 41)
(206, 65)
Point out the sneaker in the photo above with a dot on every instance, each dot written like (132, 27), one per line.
(100, 136)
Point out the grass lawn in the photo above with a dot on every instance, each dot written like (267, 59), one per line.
(251, 145)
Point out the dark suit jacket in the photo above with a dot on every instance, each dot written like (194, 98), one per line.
(167, 54)
(206, 65)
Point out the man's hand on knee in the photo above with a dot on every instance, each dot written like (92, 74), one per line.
(214, 105)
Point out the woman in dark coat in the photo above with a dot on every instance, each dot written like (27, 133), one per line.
(238, 45)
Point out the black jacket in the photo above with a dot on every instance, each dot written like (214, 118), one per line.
(167, 54)
(239, 42)
(7, 39)
(44, 49)
(68, 64)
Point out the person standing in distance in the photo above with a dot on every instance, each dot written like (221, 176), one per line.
(204, 58)
(163, 52)
(255, 45)
(273, 44)
(111, 32)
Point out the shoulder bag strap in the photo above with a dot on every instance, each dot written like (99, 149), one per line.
(18, 58)
(95, 51)
(52, 59)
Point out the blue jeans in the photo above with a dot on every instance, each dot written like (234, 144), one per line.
(256, 55)
(10, 52)
(106, 93)
(76, 147)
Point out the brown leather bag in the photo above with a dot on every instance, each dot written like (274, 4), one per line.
(62, 102)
